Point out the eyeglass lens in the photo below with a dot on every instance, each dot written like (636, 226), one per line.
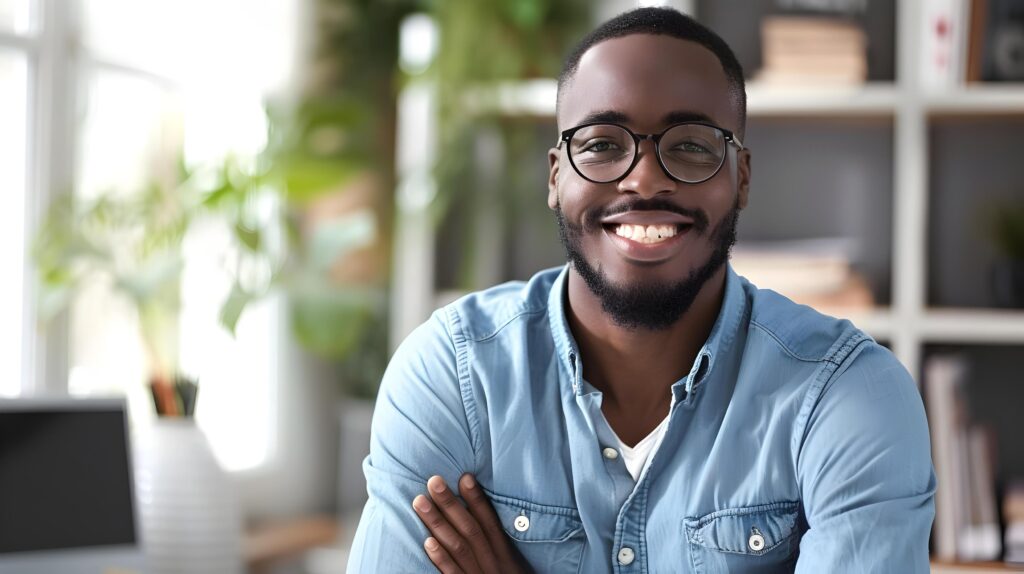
(690, 152)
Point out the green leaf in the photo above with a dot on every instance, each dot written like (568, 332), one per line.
(251, 238)
(232, 308)
(306, 178)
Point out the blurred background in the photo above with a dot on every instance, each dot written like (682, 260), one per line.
(260, 199)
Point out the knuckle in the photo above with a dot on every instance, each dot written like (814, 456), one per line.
(472, 530)
(458, 548)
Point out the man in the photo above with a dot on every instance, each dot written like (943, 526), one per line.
(645, 408)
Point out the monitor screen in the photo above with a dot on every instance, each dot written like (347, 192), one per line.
(64, 479)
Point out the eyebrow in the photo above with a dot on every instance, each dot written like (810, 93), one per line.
(676, 117)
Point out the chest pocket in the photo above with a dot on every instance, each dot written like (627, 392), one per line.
(551, 538)
(762, 538)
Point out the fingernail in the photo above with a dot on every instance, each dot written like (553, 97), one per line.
(437, 485)
(420, 503)
(468, 481)
(431, 544)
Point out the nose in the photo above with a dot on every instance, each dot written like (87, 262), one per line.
(647, 178)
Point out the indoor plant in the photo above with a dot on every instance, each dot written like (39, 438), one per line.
(1008, 269)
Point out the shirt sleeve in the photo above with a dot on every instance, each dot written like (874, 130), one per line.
(419, 429)
(865, 472)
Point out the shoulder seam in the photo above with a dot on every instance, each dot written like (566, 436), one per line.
(461, 348)
(844, 350)
(786, 347)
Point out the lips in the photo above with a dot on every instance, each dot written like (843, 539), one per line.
(646, 218)
(645, 249)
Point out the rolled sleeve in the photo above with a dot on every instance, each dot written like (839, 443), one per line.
(419, 429)
(865, 472)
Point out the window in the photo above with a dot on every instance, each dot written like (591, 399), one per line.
(17, 47)
(13, 168)
(153, 79)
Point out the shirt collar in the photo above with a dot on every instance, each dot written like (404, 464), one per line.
(719, 341)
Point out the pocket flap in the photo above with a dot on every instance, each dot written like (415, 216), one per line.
(530, 522)
(750, 530)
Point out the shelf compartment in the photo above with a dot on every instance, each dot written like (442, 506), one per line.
(973, 170)
(800, 193)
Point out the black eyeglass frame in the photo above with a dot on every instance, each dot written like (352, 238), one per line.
(567, 135)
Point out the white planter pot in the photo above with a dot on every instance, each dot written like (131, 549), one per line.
(188, 508)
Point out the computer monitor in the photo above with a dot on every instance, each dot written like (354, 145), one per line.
(66, 488)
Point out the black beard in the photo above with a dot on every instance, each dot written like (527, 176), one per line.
(652, 306)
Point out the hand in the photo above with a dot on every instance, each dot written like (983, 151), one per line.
(465, 541)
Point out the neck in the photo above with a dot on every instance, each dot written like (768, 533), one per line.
(635, 368)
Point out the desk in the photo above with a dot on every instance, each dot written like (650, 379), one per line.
(267, 544)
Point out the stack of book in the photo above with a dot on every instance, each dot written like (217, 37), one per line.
(966, 522)
(816, 50)
(814, 272)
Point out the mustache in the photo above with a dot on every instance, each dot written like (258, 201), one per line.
(593, 216)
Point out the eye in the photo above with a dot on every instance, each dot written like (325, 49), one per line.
(692, 147)
(598, 146)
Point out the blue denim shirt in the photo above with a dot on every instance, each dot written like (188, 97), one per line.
(795, 443)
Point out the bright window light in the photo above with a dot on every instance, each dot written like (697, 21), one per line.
(162, 79)
(13, 138)
(15, 16)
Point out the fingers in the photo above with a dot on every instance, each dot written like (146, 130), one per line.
(440, 557)
(480, 507)
(451, 540)
(464, 523)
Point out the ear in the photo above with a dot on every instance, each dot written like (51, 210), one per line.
(743, 177)
(554, 154)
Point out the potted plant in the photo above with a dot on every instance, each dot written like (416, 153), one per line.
(1008, 269)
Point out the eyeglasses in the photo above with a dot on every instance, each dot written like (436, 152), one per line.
(691, 152)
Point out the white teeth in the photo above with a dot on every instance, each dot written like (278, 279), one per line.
(646, 234)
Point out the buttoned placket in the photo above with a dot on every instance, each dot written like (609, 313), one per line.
(631, 525)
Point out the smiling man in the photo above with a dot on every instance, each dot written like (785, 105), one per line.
(644, 408)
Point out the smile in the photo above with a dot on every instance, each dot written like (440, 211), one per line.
(646, 233)
(647, 243)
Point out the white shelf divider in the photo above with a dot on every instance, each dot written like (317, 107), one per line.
(989, 326)
(875, 99)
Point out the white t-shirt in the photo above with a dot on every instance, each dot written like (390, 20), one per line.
(636, 456)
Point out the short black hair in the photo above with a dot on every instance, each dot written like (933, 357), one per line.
(665, 22)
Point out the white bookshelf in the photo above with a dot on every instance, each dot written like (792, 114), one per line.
(907, 323)
(912, 320)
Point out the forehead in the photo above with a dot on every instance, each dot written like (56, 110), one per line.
(647, 77)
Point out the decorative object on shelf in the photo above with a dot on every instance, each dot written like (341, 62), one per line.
(1008, 269)
(1003, 59)
(190, 517)
(944, 43)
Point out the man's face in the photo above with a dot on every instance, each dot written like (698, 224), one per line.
(649, 82)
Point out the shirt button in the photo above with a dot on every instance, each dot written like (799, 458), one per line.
(522, 523)
(756, 542)
(626, 556)
(610, 453)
